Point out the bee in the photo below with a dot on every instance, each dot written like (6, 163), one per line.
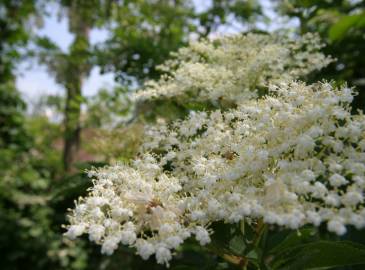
(153, 204)
(229, 155)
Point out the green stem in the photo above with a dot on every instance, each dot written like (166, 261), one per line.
(240, 261)
(260, 229)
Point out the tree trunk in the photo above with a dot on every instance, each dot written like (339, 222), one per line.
(72, 125)
(77, 68)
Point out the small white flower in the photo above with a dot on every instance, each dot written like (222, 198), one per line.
(128, 237)
(352, 198)
(202, 235)
(163, 255)
(174, 241)
(333, 200)
(337, 180)
(110, 244)
(166, 229)
(305, 145)
(358, 221)
(198, 215)
(96, 213)
(96, 232)
(121, 213)
(308, 175)
(97, 201)
(145, 249)
(80, 209)
(336, 226)
(314, 218)
(75, 231)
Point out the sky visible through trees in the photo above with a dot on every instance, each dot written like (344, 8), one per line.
(33, 80)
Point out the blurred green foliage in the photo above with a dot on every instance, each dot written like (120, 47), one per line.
(29, 234)
(109, 108)
(35, 193)
(341, 24)
(14, 33)
(144, 33)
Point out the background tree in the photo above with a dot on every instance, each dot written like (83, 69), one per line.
(15, 32)
(341, 24)
(71, 68)
(25, 218)
(142, 34)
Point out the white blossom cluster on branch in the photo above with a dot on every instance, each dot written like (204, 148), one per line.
(291, 157)
(234, 68)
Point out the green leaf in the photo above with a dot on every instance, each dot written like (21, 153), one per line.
(183, 267)
(294, 238)
(228, 238)
(237, 245)
(341, 28)
(320, 254)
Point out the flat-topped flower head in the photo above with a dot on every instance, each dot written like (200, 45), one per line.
(275, 158)
(231, 69)
(291, 156)
(132, 206)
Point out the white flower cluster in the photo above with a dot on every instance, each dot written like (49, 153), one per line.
(294, 157)
(291, 157)
(140, 208)
(235, 68)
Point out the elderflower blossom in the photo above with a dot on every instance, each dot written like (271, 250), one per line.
(273, 158)
(231, 69)
(290, 157)
(139, 208)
